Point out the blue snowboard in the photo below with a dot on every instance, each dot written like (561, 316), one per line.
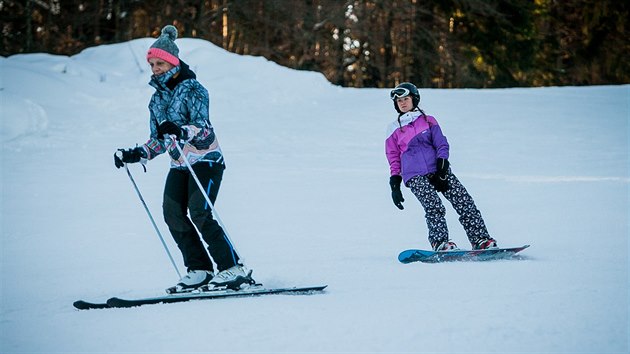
(409, 256)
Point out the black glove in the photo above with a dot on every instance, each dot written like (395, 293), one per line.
(397, 197)
(439, 180)
(170, 128)
(123, 156)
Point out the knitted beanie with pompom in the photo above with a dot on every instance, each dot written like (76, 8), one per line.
(164, 47)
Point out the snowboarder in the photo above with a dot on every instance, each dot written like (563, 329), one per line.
(179, 109)
(418, 153)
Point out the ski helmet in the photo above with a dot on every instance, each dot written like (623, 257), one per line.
(405, 89)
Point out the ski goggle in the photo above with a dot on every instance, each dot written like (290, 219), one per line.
(398, 93)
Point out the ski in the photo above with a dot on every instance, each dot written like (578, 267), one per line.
(117, 302)
(415, 255)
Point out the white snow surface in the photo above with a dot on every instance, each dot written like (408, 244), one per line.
(305, 198)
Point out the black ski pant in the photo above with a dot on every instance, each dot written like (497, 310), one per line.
(183, 198)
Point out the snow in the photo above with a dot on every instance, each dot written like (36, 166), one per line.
(306, 200)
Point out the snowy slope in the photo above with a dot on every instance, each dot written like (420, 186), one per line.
(306, 200)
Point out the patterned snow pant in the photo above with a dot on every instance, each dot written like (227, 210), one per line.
(182, 197)
(435, 212)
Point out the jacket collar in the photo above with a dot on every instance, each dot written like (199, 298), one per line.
(170, 79)
(409, 117)
(160, 81)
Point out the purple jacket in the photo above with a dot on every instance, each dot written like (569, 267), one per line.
(413, 149)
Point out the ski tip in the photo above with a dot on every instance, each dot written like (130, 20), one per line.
(84, 305)
(306, 289)
(80, 305)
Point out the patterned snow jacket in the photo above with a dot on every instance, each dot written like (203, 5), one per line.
(182, 100)
(413, 146)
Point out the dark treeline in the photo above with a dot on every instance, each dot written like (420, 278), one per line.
(360, 43)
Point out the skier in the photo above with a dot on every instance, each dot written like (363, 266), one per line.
(418, 153)
(179, 108)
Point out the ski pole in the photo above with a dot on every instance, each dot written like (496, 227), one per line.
(152, 221)
(203, 192)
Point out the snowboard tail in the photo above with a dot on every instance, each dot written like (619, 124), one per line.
(415, 255)
(116, 302)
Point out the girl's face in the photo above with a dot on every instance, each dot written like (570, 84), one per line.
(405, 104)
(159, 66)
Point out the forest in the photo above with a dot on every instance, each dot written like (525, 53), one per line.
(359, 43)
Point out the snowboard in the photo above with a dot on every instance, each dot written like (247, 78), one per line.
(414, 255)
(117, 302)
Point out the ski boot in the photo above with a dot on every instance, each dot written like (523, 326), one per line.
(192, 281)
(233, 278)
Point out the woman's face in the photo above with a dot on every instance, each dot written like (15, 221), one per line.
(159, 66)
(405, 104)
